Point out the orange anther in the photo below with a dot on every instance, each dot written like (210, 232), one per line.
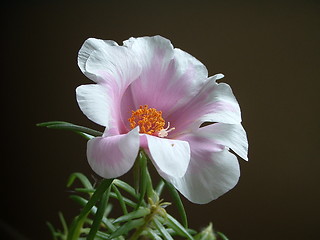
(148, 119)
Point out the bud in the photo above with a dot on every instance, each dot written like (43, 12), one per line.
(206, 234)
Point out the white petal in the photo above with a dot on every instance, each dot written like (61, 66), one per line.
(90, 45)
(213, 170)
(111, 157)
(105, 61)
(190, 68)
(230, 135)
(210, 175)
(216, 77)
(95, 102)
(146, 48)
(170, 157)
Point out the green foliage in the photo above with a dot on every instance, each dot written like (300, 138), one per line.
(141, 219)
(85, 132)
(144, 212)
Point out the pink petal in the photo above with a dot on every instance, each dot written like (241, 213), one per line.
(169, 77)
(113, 67)
(170, 157)
(111, 157)
(214, 103)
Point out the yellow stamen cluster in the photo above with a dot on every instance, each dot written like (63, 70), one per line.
(148, 119)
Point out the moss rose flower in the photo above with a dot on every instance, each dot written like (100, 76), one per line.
(148, 94)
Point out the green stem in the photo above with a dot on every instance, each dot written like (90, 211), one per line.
(63, 223)
(159, 188)
(99, 215)
(76, 226)
(136, 174)
(151, 193)
(142, 159)
(120, 198)
(177, 201)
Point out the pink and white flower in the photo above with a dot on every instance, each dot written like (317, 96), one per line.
(150, 95)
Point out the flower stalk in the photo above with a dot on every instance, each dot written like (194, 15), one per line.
(156, 208)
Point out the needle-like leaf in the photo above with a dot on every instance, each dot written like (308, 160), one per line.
(78, 221)
(178, 203)
(141, 212)
(162, 230)
(87, 133)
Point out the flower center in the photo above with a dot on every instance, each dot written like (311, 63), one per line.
(150, 121)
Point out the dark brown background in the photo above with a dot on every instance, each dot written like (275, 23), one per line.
(269, 52)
